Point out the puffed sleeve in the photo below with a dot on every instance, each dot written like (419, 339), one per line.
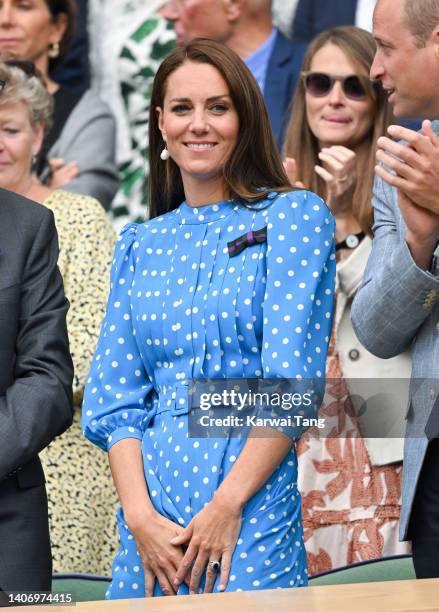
(115, 403)
(299, 297)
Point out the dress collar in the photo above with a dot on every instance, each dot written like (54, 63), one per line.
(188, 215)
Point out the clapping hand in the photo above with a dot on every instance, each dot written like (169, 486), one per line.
(338, 170)
(415, 164)
(414, 172)
(290, 168)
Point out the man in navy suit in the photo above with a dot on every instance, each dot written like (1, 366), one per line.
(314, 16)
(246, 27)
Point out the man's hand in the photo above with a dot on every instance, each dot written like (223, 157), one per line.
(416, 168)
(416, 164)
(422, 230)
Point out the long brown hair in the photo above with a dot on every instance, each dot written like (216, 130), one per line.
(254, 167)
(301, 144)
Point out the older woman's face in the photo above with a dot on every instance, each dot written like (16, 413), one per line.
(19, 141)
(27, 28)
(335, 119)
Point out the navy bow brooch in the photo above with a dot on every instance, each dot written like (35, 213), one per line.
(235, 247)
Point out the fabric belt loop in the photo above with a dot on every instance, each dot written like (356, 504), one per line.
(181, 405)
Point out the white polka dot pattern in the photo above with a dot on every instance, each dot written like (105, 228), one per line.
(180, 307)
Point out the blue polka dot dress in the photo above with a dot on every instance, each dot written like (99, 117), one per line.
(181, 307)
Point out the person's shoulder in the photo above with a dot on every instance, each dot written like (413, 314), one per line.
(78, 212)
(286, 47)
(296, 199)
(292, 209)
(91, 103)
(74, 204)
(140, 232)
(155, 225)
(24, 210)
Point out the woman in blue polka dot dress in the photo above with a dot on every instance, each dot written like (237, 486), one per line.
(235, 282)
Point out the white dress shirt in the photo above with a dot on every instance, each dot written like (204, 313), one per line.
(364, 14)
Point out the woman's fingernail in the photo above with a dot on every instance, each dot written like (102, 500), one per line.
(176, 582)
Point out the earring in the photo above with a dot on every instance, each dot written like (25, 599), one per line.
(53, 50)
(164, 155)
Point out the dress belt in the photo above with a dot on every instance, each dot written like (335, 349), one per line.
(174, 399)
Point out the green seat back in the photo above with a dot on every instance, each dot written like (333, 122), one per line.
(82, 587)
(390, 568)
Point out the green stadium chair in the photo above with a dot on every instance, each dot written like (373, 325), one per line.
(83, 587)
(399, 567)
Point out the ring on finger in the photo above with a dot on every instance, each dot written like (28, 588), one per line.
(343, 179)
(214, 566)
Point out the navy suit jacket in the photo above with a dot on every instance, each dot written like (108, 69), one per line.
(74, 72)
(282, 74)
(314, 16)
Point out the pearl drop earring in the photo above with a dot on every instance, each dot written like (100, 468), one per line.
(164, 155)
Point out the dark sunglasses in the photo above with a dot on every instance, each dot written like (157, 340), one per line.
(319, 84)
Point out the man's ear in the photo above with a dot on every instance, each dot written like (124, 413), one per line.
(435, 35)
(234, 9)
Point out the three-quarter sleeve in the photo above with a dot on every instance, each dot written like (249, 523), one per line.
(116, 393)
(299, 297)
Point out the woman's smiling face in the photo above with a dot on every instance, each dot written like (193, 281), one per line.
(199, 124)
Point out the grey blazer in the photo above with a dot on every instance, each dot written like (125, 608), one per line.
(89, 138)
(396, 308)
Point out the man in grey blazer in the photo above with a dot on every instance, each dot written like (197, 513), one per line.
(36, 375)
(397, 305)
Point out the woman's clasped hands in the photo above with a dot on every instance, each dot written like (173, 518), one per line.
(152, 534)
(337, 169)
(210, 537)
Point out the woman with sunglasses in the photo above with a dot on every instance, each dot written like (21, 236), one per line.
(350, 484)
